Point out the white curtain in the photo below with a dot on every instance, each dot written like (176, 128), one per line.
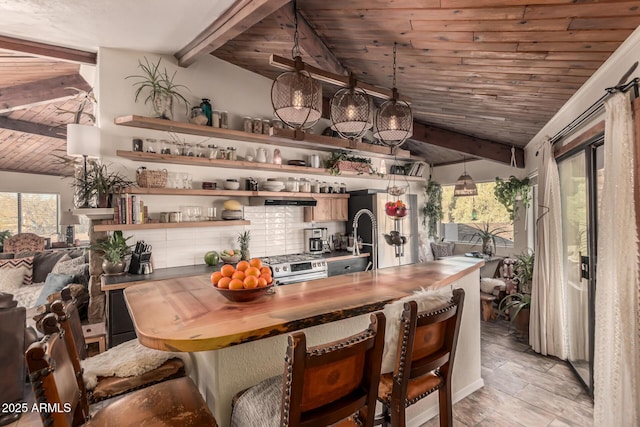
(617, 346)
(547, 330)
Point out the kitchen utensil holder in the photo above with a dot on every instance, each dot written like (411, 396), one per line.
(139, 261)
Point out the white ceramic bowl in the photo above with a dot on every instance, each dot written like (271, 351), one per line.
(231, 185)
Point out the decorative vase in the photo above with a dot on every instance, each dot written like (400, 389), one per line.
(162, 105)
(111, 268)
(487, 247)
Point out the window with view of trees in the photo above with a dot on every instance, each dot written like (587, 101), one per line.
(463, 215)
(29, 213)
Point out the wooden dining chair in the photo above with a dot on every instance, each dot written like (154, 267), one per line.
(424, 361)
(107, 387)
(53, 378)
(322, 385)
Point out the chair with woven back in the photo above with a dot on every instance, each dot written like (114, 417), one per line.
(24, 242)
(322, 385)
(424, 361)
(53, 378)
(108, 386)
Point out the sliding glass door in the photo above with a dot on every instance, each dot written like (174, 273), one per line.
(580, 183)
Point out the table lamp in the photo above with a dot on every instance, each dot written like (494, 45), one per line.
(69, 219)
(83, 141)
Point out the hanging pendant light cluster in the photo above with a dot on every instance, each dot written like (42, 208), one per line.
(393, 122)
(296, 97)
(351, 111)
(465, 185)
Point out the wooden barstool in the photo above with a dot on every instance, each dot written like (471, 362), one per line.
(321, 386)
(107, 387)
(53, 378)
(424, 361)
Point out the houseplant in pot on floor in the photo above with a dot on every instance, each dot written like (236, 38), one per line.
(113, 249)
(518, 304)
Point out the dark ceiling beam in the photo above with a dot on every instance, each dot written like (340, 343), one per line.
(241, 16)
(40, 92)
(308, 40)
(48, 50)
(33, 128)
(477, 147)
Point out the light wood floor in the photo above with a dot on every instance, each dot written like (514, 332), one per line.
(521, 388)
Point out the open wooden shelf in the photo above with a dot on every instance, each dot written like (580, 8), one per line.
(279, 137)
(141, 156)
(232, 193)
(157, 225)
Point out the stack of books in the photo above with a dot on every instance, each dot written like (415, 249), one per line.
(129, 209)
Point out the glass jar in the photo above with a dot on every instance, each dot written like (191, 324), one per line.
(324, 187)
(222, 153)
(231, 153)
(150, 145)
(247, 124)
(205, 106)
(292, 185)
(213, 151)
(277, 124)
(198, 117)
(137, 144)
(215, 119)
(224, 120)
(266, 125)
(165, 146)
(315, 186)
(257, 125)
(305, 185)
(201, 150)
(176, 149)
(343, 188)
(190, 150)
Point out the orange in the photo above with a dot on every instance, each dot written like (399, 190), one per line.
(252, 271)
(250, 282)
(227, 270)
(242, 265)
(223, 283)
(238, 275)
(215, 277)
(231, 252)
(267, 278)
(265, 270)
(236, 284)
(262, 282)
(255, 262)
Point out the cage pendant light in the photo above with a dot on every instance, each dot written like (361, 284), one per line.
(351, 111)
(465, 185)
(393, 122)
(296, 97)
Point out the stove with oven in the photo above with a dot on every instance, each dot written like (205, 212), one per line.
(288, 269)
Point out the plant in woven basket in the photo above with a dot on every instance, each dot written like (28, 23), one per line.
(243, 240)
(339, 161)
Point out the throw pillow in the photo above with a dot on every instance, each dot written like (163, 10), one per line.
(442, 249)
(53, 284)
(70, 266)
(43, 263)
(17, 263)
(487, 285)
(11, 279)
(427, 300)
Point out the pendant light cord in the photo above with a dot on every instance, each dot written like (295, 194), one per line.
(395, 44)
(295, 51)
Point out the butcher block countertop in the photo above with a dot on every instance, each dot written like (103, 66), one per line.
(188, 314)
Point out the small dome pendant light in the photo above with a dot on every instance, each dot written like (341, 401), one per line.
(351, 111)
(393, 122)
(296, 97)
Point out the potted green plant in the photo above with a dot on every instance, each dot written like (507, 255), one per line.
(160, 87)
(113, 249)
(100, 182)
(518, 306)
(341, 160)
(509, 192)
(3, 235)
(487, 235)
(432, 212)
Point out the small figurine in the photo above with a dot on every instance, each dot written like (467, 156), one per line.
(277, 158)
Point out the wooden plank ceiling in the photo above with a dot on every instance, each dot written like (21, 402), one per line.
(34, 95)
(492, 70)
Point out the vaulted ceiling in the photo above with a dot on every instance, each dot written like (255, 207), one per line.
(482, 76)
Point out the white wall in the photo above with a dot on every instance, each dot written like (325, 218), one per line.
(33, 183)
(230, 88)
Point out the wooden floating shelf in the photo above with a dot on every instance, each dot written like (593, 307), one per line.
(279, 137)
(141, 156)
(156, 225)
(232, 193)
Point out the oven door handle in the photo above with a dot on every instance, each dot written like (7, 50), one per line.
(296, 278)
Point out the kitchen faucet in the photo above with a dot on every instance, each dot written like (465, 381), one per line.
(374, 236)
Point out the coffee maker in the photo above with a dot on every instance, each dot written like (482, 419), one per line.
(314, 240)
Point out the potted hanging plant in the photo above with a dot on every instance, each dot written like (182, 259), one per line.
(113, 249)
(487, 235)
(432, 212)
(511, 191)
(160, 88)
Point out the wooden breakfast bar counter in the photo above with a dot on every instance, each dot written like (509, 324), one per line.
(236, 345)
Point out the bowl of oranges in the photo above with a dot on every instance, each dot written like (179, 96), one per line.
(246, 281)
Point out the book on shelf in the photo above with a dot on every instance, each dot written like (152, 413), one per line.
(129, 209)
(416, 169)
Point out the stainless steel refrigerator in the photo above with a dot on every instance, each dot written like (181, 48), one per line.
(375, 200)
